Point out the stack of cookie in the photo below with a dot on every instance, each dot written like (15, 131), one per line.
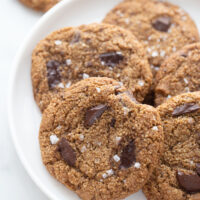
(97, 135)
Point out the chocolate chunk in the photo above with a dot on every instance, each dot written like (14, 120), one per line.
(162, 23)
(198, 168)
(67, 153)
(76, 37)
(111, 59)
(128, 155)
(183, 54)
(190, 183)
(93, 114)
(53, 73)
(186, 108)
(112, 123)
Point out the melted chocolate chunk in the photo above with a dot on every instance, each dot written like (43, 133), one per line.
(190, 183)
(128, 155)
(93, 114)
(162, 23)
(112, 123)
(67, 153)
(53, 73)
(111, 59)
(186, 108)
(198, 168)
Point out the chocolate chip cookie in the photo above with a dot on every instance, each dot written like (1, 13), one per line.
(41, 5)
(96, 50)
(98, 141)
(163, 28)
(178, 175)
(179, 73)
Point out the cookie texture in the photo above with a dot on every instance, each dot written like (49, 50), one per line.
(96, 50)
(180, 73)
(98, 141)
(163, 28)
(40, 5)
(177, 176)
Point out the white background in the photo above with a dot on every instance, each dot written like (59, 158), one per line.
(16, 22)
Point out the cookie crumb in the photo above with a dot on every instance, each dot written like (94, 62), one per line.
(191, 120)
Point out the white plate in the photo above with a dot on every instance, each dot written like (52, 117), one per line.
(24, 115)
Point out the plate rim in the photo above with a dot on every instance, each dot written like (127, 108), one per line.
(12, 78)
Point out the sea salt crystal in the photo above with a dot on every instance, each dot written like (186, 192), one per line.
(85, 76)
(68, 62)
(141, 83)
(169, 96)
(68, 84)
(83, 149)
(137, 165)
(98, 90)
(186, 81)
(61, 85)
(155, 128)
(162, 53)
(116, 158)
(54, 139)
(81, 137)
(110, 172)
(118, 139)
(127, 20)
(58, 42)
(126, 110)
(154, 54)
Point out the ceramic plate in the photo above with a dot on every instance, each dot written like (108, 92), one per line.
(24, 115)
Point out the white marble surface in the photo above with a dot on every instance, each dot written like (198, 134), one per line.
(15, 23)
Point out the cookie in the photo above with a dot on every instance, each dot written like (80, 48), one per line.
(40, 5)
(98, 141)
(178, 175)
(96, 50)
(163, 28)
(178, 74)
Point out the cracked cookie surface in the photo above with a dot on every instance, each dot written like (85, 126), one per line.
(180, 73)
(178, 173)
(96, 50)
(98, 141)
